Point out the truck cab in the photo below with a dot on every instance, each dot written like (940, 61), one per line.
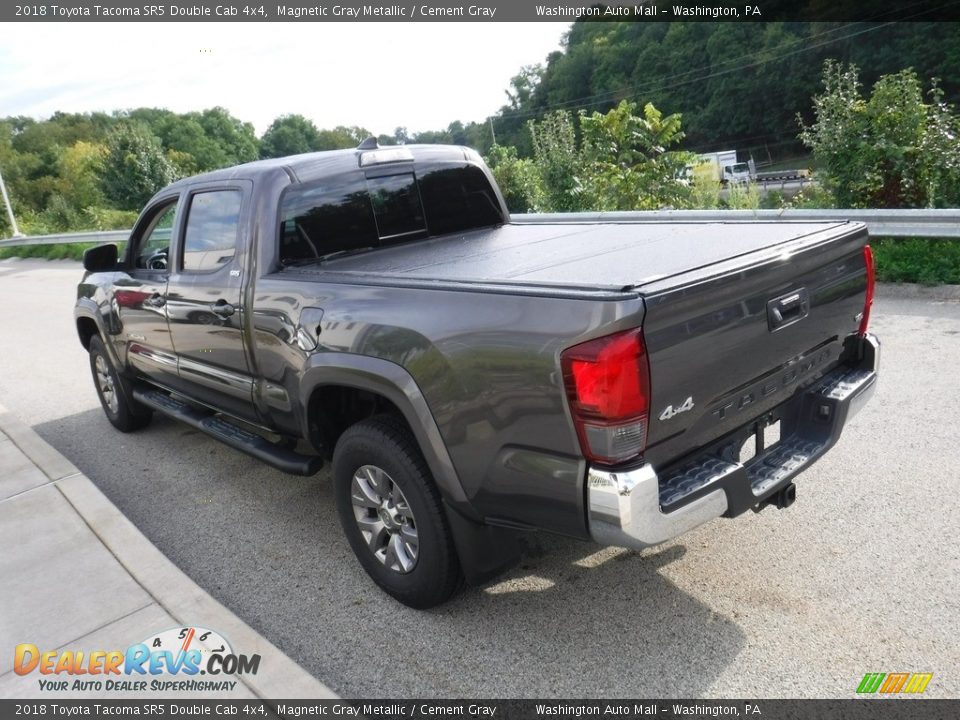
(736, 174)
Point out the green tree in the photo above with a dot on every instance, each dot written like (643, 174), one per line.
(518, 179)
(200, 141)
(737, 85)
(628, 161)
(891, 150)
(81, 166)
(235, 140)
(558, 161)
(523, 85)
(289, 135)
(340, 138)
(135, 166)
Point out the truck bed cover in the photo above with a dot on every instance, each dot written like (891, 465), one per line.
(606, 256)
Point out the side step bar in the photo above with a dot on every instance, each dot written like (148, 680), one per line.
(225, 431)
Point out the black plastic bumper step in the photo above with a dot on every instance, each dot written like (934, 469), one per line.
(227, 432)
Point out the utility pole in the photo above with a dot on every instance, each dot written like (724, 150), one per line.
(492, 133)
(6, 201)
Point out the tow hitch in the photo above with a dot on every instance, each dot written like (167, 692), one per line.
(782, 498)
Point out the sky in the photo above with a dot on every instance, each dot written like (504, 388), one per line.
(380, 76)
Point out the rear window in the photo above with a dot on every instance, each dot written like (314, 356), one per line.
(396, 206)
(458, 199)
(374, 212)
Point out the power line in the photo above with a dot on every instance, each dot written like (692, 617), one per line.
(638, 89)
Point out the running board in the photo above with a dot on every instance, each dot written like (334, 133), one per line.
(233, 435)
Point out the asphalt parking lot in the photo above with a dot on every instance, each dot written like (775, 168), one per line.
(860, 575)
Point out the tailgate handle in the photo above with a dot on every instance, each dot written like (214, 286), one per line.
(787, 309)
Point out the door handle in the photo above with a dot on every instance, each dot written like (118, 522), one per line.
(155, 301)
(222, 309)
(787, 309)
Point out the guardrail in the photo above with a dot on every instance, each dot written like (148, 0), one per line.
(884, 223)
(100, 237)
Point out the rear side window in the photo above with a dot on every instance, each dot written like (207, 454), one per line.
(321, 220)
(379, 211)
(213, 222)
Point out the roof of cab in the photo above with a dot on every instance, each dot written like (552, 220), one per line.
(314, 165)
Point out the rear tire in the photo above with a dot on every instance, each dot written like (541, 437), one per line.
(115, 392)
(392, 515)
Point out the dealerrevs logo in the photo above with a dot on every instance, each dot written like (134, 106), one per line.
(168, 661)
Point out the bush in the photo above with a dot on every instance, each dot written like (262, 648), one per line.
(813, 197)
(773, 200)
(518, 179)
(891, 150)
(743, 196)
(927, 261)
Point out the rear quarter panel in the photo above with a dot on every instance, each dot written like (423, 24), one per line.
(487, 364)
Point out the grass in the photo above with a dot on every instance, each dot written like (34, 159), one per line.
(928, 261)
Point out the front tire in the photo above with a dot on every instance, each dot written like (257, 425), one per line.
(391, 513)
(114, 391)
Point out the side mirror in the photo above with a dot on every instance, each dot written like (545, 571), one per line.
(100, 258)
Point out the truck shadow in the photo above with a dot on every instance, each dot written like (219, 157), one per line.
(572, 620)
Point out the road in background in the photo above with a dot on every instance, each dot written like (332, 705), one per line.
(787, 188)
(860, 575)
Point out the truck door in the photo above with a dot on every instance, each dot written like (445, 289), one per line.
(139, 294)
(204, 300)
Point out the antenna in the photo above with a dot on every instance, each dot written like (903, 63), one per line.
(369, 144)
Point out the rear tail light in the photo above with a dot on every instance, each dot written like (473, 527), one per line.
(608, 385)
(871, 283)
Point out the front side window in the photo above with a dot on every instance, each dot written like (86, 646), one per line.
(213, 223)
(153, 249)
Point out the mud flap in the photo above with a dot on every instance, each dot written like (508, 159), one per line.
(485, 551)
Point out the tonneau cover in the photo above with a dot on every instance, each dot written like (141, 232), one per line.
(610, 256)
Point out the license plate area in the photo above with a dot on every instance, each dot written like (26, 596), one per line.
(766, 434)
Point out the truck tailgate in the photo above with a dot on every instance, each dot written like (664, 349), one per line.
(731, 341)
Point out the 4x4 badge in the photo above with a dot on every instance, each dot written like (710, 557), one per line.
(670, 411)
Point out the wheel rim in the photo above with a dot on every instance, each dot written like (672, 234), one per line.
(108, 390)
(385, 519)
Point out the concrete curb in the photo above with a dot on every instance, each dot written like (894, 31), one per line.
(279, 677)
(920, 292)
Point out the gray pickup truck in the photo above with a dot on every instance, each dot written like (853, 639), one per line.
(472, 378)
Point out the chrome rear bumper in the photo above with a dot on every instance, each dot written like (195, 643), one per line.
(624, 508)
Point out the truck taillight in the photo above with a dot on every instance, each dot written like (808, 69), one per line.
(871, 283)
(608, 385)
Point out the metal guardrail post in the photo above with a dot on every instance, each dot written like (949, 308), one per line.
(6, 201)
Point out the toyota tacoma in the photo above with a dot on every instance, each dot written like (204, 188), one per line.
(472, 377)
